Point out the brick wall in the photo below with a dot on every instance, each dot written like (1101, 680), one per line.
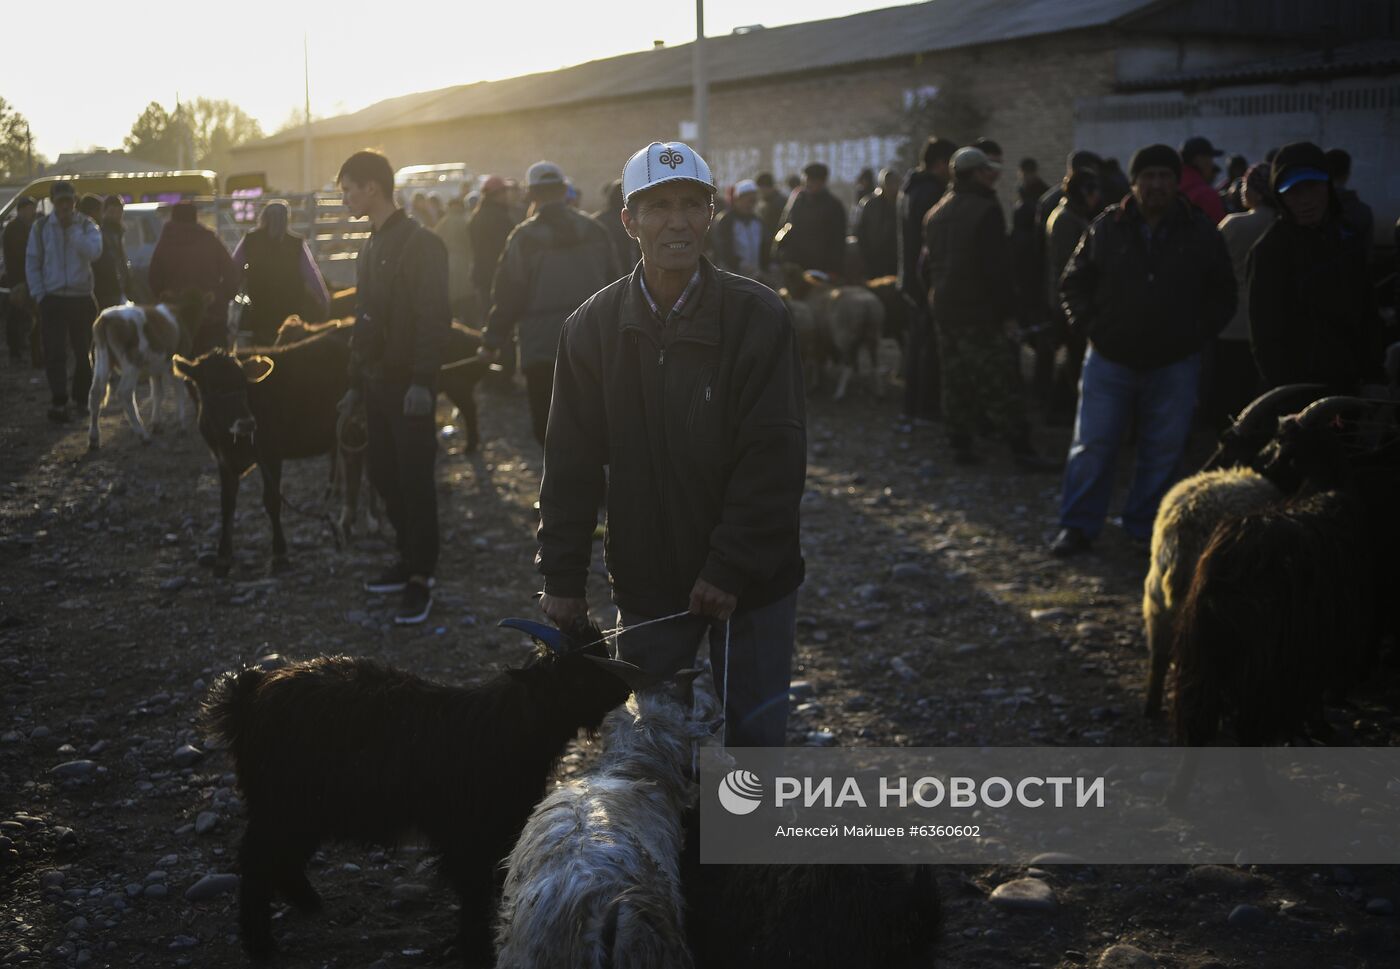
(847, 118)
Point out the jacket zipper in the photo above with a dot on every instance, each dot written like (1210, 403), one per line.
(665, 463)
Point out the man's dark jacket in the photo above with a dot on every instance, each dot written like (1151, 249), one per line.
(553, 261)
(722, 241)
(1312, 308)
(1358, 217)
(272, 280)
(1028, 254)
(189, 255)
(968, 261)
(490, 226)
(877, 232)
(402, 317)
(817, 239)
(703, 432)
(111, 272)
(920, 192)
(1146, 307)
(625, 248)
(771, 203)
(16, 240)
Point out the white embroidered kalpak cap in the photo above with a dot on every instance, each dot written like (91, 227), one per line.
(661, 162)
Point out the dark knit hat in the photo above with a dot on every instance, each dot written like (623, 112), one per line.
(1154, 156)
(1301, 161)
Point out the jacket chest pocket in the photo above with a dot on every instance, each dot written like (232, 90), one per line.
(705, 422)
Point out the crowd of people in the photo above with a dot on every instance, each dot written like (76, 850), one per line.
(1151, 300)
(64, 267)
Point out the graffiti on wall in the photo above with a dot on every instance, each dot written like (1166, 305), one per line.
(845, 158)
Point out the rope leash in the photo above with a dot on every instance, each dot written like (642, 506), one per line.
(612, 635)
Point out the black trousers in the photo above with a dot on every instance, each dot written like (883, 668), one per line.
(67, 321)
(923, 373)
(17, 326)
(402, 454)
(539, 384)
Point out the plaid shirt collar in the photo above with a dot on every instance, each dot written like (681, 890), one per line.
(681, 304)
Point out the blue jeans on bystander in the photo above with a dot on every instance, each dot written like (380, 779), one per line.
(1109, 394)
(760, 657)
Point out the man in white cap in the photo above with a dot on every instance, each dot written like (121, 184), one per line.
(553, 261)
(738, 242)
(682, 382)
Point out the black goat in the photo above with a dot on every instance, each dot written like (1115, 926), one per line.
(813, 916)
(337, 749)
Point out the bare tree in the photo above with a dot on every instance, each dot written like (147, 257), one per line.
(206, 128)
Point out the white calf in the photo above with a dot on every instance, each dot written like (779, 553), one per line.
(138, 342)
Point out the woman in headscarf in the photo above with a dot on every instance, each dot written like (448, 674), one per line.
(278, 275)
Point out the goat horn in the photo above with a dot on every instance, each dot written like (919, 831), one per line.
(1322, 411)
(1275, 403)
(634, 676)
(549, 635)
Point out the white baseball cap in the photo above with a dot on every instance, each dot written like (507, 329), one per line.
(745, 186)
(661, 162)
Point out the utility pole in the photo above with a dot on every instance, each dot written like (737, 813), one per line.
(307, 185)
(178, 129)
(700, 105)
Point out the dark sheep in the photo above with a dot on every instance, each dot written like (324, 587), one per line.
(1287, 603)
(1277, 616)
(344, 749)
(813, 916)
(1254, 427)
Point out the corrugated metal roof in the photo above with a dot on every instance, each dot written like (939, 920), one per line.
(1370, 57)
(817, 45)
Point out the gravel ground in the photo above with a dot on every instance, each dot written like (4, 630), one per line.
(931, 616)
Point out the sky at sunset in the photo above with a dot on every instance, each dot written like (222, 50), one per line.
(250, 53)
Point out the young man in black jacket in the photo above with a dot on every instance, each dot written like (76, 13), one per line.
(401, 325)
(682, 382)
(1149, 285)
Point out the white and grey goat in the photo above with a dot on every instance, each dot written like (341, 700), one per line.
(594, 881)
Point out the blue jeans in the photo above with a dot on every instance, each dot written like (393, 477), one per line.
(760, 657)
(1164, 400)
